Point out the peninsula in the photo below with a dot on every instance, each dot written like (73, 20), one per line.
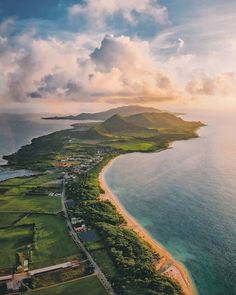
(62, 226)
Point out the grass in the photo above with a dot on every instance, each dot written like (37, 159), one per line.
(105, 262)
(92, 246)
(53, 243)
(11, 240)
(59, 276)
(48, 232)
(17, 197)
(15, 181)
(87, 286)
(28, 181)
(36, 203)
(8, 219)
(132, 145)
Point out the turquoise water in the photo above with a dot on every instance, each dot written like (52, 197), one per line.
(185, 197)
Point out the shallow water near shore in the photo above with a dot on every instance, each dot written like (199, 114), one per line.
(185, 198)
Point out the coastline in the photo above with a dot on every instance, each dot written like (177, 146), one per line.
(169, 266)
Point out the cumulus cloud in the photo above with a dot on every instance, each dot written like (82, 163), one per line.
(129, 71)
(115, 70)
(120, 69)
(98, 12)
(223, 84)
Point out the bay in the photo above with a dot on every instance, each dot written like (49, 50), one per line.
(185, 197)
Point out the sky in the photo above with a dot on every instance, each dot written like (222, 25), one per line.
(67, 56)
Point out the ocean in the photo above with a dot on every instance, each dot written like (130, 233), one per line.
(19, 129)
(185, 197)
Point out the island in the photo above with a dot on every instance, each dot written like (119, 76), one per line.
(63, 231)
(102, 116)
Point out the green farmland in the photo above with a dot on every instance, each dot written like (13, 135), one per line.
(13, 239)
(87, 286)
(52, 242)
(29, 217)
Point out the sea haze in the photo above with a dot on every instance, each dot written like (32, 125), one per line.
(185, 197)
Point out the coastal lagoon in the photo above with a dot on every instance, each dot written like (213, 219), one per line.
(185, 197)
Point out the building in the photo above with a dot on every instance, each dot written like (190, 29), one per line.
(81, 228)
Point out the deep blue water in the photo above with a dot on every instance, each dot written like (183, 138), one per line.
(186, 198)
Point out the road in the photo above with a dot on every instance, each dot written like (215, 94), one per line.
(78, 242)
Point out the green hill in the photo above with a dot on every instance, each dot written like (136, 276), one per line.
(102, 116)
(117, 123)
(120, 126)
(161, 121)
(153, 126)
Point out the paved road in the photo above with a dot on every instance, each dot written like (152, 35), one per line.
(75, 237)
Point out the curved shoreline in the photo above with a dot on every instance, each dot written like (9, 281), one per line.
(167, 263)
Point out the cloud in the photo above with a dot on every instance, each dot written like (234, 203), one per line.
(6, 26)
(180, 43)
(119, 68)
(128, 71)
(223, 84)
(114, 69)
(100, 11)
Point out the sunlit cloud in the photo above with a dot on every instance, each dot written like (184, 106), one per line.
(99, 63)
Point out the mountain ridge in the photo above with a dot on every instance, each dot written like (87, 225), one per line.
(104, 115)
(144, 125)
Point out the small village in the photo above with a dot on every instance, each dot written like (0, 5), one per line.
(83, 161)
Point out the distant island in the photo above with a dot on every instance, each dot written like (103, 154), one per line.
(64, 218)
(102, 116)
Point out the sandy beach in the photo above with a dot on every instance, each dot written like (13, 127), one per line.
(167, 264)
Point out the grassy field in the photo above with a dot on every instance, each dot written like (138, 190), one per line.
(132, 145)
(60, 276)
(23, 203)
(28, 181)
(8, 219)
(87, 286)
(52, 240)
(104, 261)
(19, 199)
(16, 195)
(11, 240)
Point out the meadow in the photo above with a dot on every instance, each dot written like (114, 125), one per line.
(90, 285)
(12, 239)
(29, 216)
(52, 242)
(16, 195)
